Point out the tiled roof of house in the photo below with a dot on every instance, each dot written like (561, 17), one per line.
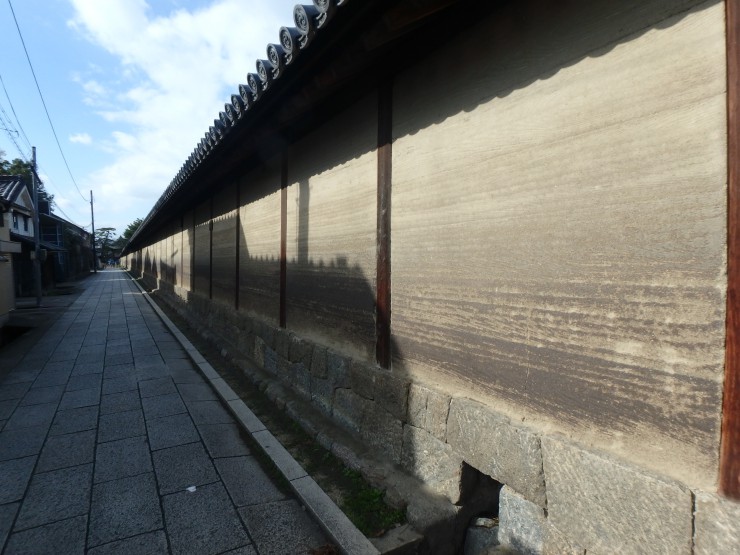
(10, 187)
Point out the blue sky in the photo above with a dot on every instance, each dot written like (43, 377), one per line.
(131, 87)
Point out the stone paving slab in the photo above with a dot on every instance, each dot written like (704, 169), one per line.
(124, 508)
(74, 420)
(223, 440)
(120, 402)
(183, 466)
(219, 527)
(55, 496)
(7, 514)
(281, 527)
(169, 431)
(163, 405)
(111, 441)
(57, 538)
(246, 482)
(152, 543)
(122, 459)
(14, 477)
(21, 443)
(41, 395)
(67, 450)
(121, 425)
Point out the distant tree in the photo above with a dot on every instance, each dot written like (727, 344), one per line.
(104, 242)
(23, 168)
(131, 228)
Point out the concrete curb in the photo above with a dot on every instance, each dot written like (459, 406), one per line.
(330, 517)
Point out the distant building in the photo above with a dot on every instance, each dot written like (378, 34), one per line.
(69, 250)
(11, 188)
(65, 249)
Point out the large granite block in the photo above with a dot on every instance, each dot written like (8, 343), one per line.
(432, 461)
(716, 525)
(492, 444)
(391, 393)
(301, 351)
(607, 505)
(350, 409)
(383, 431)
(521, 523)
(428, 409)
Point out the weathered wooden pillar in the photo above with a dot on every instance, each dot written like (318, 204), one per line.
(385, 167)
(729, 475)
(283, 237)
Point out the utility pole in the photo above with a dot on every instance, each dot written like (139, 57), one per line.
(36, 230)
(95, 254)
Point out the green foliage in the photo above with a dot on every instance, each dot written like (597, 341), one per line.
(105, 243)
(131, 229)
(366, 507)
(24, 169)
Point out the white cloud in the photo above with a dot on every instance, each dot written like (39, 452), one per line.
(81, 138)
(175, 74)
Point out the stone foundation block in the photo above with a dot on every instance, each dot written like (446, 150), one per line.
(391, 393)
(521, 523)
(318, 362)
(322, 394)
(301, 351)
(283, 371)
(428, 409)
(349, 409)
(362, 379)
(481, 540)
(301, 380)
(337, 368)
(609, 506)
(259, 352)
(716, 525)
(270, 361)
(555, 543)
(382, 431)
(283, 339)
(245, 345)
(266, 332)
(432, 461)
(489, 442)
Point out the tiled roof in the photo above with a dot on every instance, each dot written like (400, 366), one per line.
(10, 187)
(309, 20)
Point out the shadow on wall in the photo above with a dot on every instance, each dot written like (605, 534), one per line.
(331, 301)
(326, 356)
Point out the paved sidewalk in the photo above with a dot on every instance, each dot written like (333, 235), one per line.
(111, 442)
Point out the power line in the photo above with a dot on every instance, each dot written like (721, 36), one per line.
(8, 128)
(12, 109)
(59, 145)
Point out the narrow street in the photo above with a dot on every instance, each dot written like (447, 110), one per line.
(112, 442)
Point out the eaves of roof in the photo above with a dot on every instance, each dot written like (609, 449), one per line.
(10, 187)
(31, 241)
(336, 45)
(57, 219)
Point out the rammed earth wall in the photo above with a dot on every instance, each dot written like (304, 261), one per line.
(558, 203)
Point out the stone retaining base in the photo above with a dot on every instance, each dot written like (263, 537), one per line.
(558, 496)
